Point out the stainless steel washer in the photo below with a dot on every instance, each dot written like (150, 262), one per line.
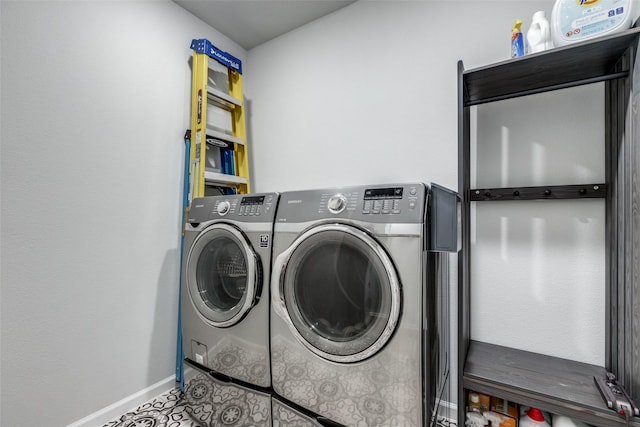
(225, 293)
(357, 321)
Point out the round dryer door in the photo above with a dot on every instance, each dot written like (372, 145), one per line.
(340, 292)
(222, 275)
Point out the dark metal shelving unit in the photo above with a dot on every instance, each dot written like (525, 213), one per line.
(558, 385)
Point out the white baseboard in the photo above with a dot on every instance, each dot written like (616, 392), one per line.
(452, 410)
(127, 404)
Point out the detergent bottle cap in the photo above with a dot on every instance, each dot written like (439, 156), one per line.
(517, 26)
(538, 15)
(535, 414)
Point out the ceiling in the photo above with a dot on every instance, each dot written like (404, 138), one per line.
(253, 22)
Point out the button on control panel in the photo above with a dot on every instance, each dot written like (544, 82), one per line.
(255, 205)
(223, 208)
(389, 201)
(337, 203)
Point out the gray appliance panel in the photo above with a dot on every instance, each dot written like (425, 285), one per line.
(393, 203)
(258, 207)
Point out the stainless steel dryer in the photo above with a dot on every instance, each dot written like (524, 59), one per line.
(225, 292)
(359, 332)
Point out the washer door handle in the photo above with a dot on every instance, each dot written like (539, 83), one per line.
(277, 283)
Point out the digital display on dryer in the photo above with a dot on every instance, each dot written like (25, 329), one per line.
(252, 200)
(383, 193)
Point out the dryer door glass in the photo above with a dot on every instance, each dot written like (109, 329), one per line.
(341, 293)
(221, 275)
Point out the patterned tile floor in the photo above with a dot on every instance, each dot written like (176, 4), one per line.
(173, 410)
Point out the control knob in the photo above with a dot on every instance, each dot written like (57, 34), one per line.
(223, 208)
(337, 203)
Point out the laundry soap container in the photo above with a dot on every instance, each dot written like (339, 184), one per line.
(475, 420)
(562, 421)
(533, 417)
(539, 34)
(579, 20)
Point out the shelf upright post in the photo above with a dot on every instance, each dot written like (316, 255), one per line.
(464, 256)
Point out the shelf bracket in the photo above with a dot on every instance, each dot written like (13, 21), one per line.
(556, 192)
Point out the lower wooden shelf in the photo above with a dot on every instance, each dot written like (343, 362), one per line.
(559, 386)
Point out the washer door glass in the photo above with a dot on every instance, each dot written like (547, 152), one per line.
(341, 292)
(222, 272)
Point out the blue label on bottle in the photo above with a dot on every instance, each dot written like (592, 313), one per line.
(517, 45)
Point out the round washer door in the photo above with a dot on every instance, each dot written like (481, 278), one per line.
(339, 292)
(222, 275)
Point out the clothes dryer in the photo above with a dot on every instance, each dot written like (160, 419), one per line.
(358, 330)
(225, 291)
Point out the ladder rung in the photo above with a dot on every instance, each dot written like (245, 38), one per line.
(224, 100)
(224, 136)
(222, 178)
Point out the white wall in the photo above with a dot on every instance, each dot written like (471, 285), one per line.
(95, 103)
(538, 267)
(369, 95)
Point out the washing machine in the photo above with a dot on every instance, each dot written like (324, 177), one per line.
(359, 297)
(225, 287)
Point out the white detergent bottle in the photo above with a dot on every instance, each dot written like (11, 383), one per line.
(562, 421)
(475, 420)
(533, 418)
(579, 20)
(539, 34)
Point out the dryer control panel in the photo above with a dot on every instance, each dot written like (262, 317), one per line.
(246, 208)
(404, 203)
(372, 201)
(389, 201)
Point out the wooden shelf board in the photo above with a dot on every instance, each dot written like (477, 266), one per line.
(557, 385)
(572, 65)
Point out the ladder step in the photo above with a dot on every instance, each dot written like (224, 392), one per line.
(221, 178)
(224, 136)
(223, 100)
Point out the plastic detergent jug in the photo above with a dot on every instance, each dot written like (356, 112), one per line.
(475, 420)
(533, 418)
(539, 34)
(578, 20)
(562, 421)
(517, 40)
(495, 418)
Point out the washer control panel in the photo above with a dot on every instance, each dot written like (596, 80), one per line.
(250, 208)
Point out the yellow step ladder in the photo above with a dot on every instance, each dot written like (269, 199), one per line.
(208, 169)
